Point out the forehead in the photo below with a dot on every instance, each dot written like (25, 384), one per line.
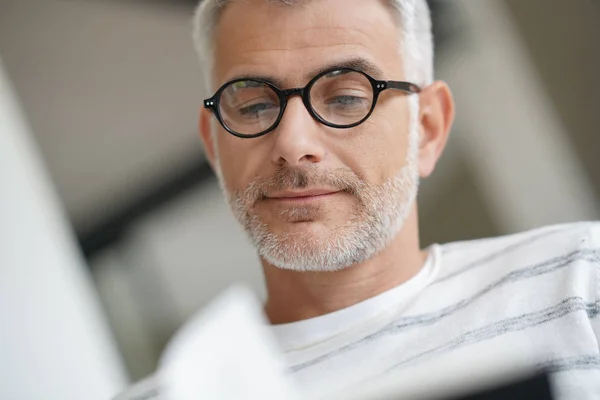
(261, 37)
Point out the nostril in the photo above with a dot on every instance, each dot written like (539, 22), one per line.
(311, 158)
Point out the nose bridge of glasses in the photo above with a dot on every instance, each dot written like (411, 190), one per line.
(292, 92)
(286, 94)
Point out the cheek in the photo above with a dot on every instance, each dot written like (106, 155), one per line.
(377, 149)
(240, 160)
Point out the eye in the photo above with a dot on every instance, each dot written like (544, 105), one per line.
(347, 103)
(345, 100)
(256, 109)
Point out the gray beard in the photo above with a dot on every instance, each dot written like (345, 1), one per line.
(369, 230)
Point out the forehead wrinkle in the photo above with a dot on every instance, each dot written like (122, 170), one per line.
(247, 64)
(316, 37)
(291, 78)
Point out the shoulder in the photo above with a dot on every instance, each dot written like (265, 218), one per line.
(525, 249)
(146, 389)
(565, 236)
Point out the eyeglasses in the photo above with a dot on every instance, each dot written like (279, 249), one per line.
(339, 98)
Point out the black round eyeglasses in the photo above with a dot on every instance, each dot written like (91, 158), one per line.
(339, 98)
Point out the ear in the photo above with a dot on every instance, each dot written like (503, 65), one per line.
(207, 137)
(436, 115)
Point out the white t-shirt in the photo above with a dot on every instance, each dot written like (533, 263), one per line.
(482, 306)
(476, 310)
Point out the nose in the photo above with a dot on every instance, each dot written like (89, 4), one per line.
(298, 138)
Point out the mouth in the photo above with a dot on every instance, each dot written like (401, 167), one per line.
(304, 196)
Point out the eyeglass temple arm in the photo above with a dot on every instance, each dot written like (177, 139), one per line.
(399, 85)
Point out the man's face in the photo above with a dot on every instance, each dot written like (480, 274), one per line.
(313, 197)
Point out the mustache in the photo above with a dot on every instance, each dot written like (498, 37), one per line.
(287, 178)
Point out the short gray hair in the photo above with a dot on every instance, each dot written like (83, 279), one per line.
(414, 21)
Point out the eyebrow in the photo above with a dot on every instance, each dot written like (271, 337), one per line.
(360, 64)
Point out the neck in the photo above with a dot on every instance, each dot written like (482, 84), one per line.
(294, 296)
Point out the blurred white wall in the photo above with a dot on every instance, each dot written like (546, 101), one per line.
(54, 341)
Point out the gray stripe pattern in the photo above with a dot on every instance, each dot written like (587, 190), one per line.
(502, 252)
(591, 361)
(564, 308)
(427, 319)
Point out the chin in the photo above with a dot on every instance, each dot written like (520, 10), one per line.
(306, 230)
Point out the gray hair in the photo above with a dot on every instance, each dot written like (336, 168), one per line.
(414, 20)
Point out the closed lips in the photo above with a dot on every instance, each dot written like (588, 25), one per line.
(303, 194)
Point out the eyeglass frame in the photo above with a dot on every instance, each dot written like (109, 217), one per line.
(378, 86)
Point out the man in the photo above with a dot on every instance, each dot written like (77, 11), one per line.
(321, 117)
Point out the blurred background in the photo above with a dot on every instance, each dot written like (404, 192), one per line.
(110, 92)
